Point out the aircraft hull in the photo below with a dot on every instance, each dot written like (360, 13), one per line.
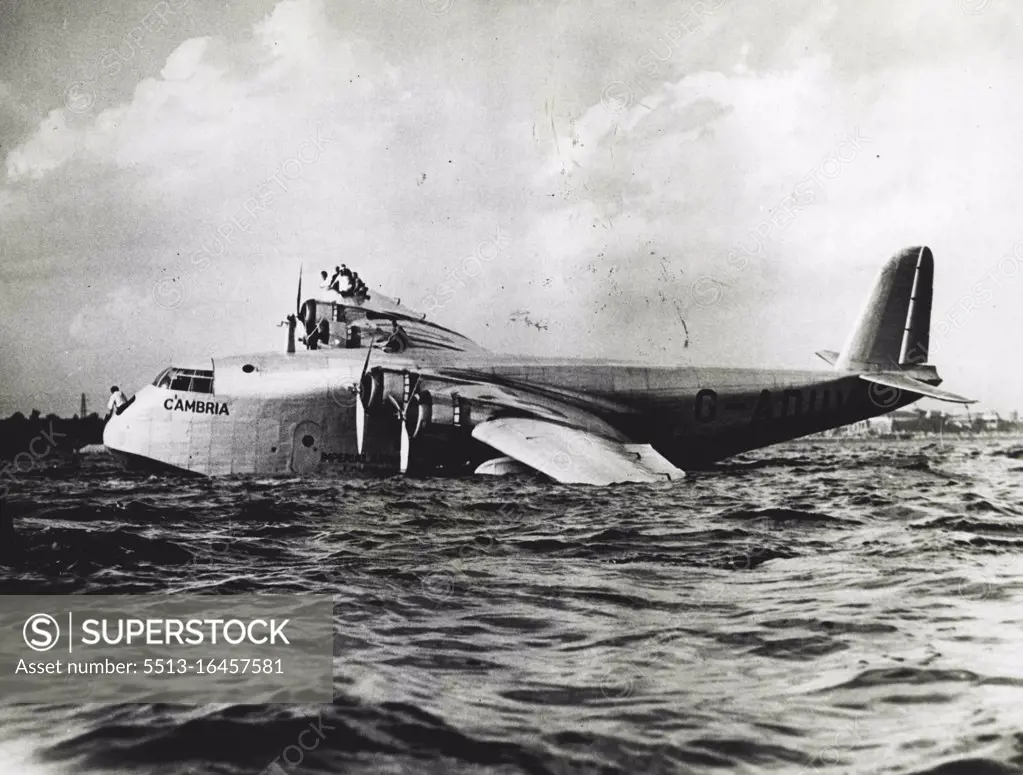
(303, 421)
(575, 420)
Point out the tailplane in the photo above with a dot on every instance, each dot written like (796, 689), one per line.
(914, 385)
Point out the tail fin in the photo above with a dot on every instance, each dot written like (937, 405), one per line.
(893, 330)
(891, 338)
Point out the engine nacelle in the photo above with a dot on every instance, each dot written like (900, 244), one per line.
(443, 408)
(379, 386)
(396, 385)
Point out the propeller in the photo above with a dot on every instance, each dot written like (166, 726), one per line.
(406, 440)
(298, 297)
(360, 407)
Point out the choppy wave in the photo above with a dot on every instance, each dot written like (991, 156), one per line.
(818, 607)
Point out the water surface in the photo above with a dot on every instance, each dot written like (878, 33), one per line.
(815, 607)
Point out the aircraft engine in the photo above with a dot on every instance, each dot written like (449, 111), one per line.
(378, 386)
(442, 408)
(404, 395)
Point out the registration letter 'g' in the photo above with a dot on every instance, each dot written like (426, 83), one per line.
(706, 407)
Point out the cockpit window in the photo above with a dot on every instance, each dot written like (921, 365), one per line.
(185, 380)
(202, 384)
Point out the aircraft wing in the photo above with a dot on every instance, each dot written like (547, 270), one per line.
(374, 318)
(559, 406)
(422, 334)
(557, 432)
(907, 383)
(572, 455)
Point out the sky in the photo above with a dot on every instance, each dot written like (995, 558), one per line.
(683, 182)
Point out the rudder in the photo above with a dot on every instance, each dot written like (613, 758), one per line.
(916, 344)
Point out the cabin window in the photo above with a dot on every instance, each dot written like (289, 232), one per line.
(185, 380)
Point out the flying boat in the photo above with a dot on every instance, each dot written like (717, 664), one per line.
(372, 384)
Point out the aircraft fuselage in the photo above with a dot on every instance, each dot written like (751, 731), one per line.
(296, 413)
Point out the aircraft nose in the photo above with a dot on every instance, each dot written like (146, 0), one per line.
(114, 432)
(110, 431)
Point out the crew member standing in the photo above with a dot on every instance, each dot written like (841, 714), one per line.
(335, 280)
(117, 401)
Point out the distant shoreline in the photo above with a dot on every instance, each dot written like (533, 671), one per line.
(916, 436)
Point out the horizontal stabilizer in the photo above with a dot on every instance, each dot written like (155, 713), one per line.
(910, 385)
(829, 355)
(574, 456)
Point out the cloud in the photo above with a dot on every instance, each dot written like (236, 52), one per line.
(170, 120)
(295, 31)
(122, 307)
(399, 141)
(184, 62)
(53, 144)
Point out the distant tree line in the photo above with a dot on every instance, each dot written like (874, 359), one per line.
(49, 437)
